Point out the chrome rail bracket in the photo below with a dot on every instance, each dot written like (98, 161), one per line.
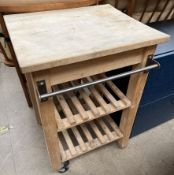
(41, 85)
(152, 61)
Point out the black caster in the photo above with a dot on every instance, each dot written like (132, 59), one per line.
(64, 168)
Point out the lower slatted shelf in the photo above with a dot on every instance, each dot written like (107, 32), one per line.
(87, 136)
(87, 104)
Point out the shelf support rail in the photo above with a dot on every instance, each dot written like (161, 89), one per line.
(43, 96)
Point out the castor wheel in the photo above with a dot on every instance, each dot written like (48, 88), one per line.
(64, 168)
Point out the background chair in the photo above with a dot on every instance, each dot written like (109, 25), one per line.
(148, 11)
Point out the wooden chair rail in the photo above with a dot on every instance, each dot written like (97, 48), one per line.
(153, 11)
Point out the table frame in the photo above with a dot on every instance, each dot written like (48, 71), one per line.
(45, 110)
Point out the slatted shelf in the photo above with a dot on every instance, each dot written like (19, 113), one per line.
(87, 136)
(74, 108)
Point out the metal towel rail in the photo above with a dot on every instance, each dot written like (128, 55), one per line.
(151, 64)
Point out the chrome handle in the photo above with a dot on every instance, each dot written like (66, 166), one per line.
(151, 64)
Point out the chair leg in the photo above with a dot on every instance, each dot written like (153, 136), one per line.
(21, 76)
(6, 60)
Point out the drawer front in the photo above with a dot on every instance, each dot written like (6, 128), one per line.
(91, 67)
(153, 114)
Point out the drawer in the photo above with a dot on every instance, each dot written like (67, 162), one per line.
(154, 114)
(87, 68)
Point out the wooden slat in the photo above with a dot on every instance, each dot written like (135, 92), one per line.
(172, 16)
(89, 103)
(144, 10)
(69, 142)
(99, 98)
(105, 128)
(97, 132)
(107, 94)
(88, 135)
(114, 126)
(60, 124)
(167, 2)
(155, 9)
(79, 107)
(170, 11)
(79, 138)
(65, 107)
(88, 100)
(118, 93)
(76, 102)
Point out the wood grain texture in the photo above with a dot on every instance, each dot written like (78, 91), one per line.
(50, 39)
(20, 6)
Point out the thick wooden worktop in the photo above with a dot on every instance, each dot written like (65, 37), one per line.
(48, 39)
(19, 6)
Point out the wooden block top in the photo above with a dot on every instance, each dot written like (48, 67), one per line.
(48, 39)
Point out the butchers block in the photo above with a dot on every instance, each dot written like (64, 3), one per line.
(66, 56)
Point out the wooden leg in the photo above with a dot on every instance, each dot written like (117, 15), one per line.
(22, 79)
(49, 126)
(20, 75)
(6, 61)
(134, 93)
(33, 95)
